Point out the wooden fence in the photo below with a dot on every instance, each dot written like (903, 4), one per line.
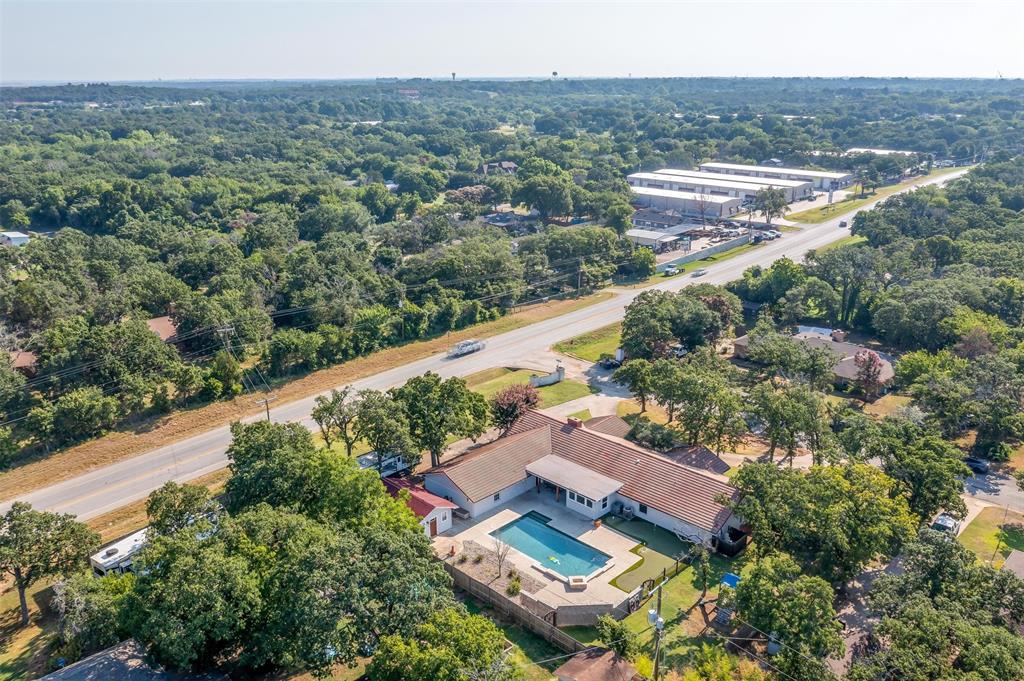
(514, 611)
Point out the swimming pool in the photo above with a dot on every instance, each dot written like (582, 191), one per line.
(554, 550)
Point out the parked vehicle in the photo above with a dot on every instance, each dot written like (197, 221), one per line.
(842, 224)
(700, 272)
(678, 351)
(466, 347)
(977, 466)
(609, 362)
(775, 233)
(947, 524)
(671, 270)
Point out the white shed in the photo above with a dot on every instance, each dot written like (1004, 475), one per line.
(13, 238)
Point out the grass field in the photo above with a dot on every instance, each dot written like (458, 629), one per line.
(656, 550)
(492, 380)
(853, 202)
(590, 346)
(993, 534)
(887, 405)
(654, 412)
(688, 268)
(683, 623)
(582, 415)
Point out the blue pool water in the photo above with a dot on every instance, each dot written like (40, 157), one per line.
(557, 551)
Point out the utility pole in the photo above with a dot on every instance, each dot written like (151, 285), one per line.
(654, 619)
(579, 277)
(265, 401)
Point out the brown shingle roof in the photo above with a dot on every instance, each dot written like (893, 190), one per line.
(647, 478)
(596, 664)
(496, 465)
(615, 426)
(163, 327)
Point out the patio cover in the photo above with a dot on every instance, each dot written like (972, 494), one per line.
(569, 475)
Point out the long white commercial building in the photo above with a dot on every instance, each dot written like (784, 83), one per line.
(687, 203)
(710, 183)
(795, 189)
(822, 179)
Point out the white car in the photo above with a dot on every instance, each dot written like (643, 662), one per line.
(671, 270)
(700, 272)
(466, 347)
(775, 233)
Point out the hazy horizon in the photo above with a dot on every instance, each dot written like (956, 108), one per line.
(59, 41)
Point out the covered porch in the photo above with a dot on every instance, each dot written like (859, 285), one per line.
(580, 489)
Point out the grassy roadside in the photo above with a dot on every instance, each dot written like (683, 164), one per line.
(121, 445)
(697, 264)
(854, 201)
(591, 345)
(490, 381)
(850, 240)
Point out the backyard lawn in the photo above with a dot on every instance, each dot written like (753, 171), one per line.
(993, 534)
(656, 549)
(490, 381)
(682, 625)
(590, 346)
(887, 405)
(528, 648)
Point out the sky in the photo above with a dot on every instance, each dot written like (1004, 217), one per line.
(93, 40)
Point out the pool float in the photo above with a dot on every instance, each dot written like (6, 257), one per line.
(553, 560)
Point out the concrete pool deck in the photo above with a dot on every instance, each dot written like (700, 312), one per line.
(556, 592)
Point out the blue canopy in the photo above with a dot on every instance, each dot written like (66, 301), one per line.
(730, 580)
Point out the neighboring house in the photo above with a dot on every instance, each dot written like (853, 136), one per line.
(435, 513)
(591, 473)
(499, 168)
(163, 327)
(13, 238)
(616, 426)
(23, 361)
(597, 664)
(1015, 563)
(125, 662)
(845, 369)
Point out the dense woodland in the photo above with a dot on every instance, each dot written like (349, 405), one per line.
(258, 217)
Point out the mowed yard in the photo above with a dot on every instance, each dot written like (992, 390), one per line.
(490, 381)
(591, 346)
(993, 534)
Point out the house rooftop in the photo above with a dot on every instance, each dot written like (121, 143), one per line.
(565, 473)
(616, 426)
(596, 664)
(743, 179)
(124, 662)
(163, 327)
(706, 180)
(645, 477)
(421, 502)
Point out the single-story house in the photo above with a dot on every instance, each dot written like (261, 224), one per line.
(597, 664)
(125, 661)
(593, 474)
(13, 238)
(499, 168)
(23, 361)
(845, 369)
(163, 327)
(435, 513)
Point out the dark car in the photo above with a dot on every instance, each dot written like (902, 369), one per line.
(977, 466)
(842, 224)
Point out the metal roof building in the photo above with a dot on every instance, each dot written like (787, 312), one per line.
(822, 179)
(715, 184)
(687, 203)
(800, 187)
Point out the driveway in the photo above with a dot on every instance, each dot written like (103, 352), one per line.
(996, 488)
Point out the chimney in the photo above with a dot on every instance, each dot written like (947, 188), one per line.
(575, 422)
(838, 335)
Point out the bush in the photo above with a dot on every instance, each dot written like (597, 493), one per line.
(462, 558)
(652, 435)
(514, 586)
(478, 558)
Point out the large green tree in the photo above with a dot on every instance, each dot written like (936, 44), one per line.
(438, 409)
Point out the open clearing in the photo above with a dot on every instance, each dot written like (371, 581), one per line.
(487, 383)
(993, 534)
(591, 346)
(177, 426)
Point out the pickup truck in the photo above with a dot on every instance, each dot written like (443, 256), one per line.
(466, 347)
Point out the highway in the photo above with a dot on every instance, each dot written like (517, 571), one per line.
(105, 489)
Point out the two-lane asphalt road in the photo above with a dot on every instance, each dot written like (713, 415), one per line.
(113, 486)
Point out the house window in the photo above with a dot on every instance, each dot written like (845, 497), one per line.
(497, 496)
(571, 495)
(604, 503)
(590, 504)
(444, 516)
(642, 508)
